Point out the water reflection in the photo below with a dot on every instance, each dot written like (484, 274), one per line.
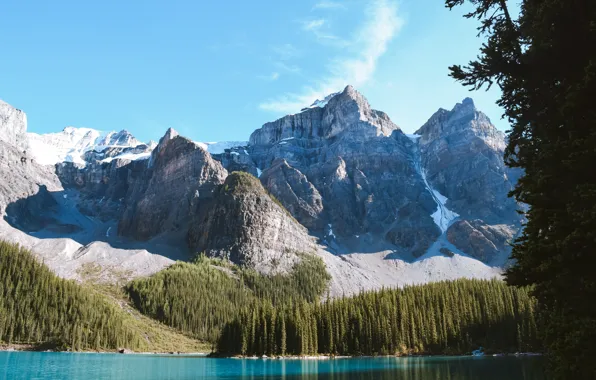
(63, 366)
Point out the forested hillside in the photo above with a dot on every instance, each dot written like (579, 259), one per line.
(37, 306)
(253, 314)
(40, 309)
(439, 318)
(201, 297)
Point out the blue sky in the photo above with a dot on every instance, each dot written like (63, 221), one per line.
(218, 70)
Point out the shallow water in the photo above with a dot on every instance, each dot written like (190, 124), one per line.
(62, 366)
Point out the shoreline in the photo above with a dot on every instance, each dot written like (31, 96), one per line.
(211, 355)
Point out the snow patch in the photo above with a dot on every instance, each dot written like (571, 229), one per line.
(128, 156)
(218, 147)
(71, 143)
(443, 217)
(330, 233)
(259, 172)
(322, 103)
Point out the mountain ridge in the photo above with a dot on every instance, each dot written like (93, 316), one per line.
(381, 206)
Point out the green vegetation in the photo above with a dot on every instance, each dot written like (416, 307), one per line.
(544, 62)
(245, 312)
(452, 317)
(38, 308)
(200, 298)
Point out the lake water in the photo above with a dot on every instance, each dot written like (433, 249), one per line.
(62, 366)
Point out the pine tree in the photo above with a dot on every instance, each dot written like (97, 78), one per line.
(544, 63)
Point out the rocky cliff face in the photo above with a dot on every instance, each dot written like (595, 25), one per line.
(462, 155)
(244, 224)
(13, 126)
(379, 206)
(346, 170)
(179, 176)
(37, 213)
(484, 242)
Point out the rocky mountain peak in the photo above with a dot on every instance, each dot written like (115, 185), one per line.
(13, 126)
(348, 114)
(170, 134)
(323, 102)
(463, 118)
(351, 96)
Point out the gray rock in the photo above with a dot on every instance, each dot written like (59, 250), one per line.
(243, 224)
(237, 159)
(13, 126)
(356, 163)
(180, 174)
(296, 192)
(482, 241)
(462, 153)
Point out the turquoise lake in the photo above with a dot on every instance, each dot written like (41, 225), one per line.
(62, 366)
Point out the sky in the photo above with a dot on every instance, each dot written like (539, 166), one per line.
(218, 70)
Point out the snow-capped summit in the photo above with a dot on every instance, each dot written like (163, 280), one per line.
(71, 144)
(322, 103)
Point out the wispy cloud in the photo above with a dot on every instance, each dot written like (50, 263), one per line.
(271, 77)
(329, 5)
(313, 25)
(320, 28)
(380, 26)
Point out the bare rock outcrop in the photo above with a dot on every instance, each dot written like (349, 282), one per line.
(480, 240)
(13, 126)
(345, 170)
(462, 154)
(294, 190)
(243, 224)
(179, 176)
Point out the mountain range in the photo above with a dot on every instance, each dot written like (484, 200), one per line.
(339, 180)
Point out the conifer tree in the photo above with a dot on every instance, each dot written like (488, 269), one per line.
(544, 63)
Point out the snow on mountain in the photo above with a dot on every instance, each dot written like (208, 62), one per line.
(129, 156)
(443, 217)
(323, 103)
(220, 146)
(71, 143)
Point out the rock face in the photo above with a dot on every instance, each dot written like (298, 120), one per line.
(480, 240)
(13, 126)
(21, 178)
(179, 176)
(345, 170)
(462, 155)
(33, 214)
(244, 224)
(294, 190)
(339, 179)
(236, 159)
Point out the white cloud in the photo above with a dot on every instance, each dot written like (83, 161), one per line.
(329, 5)
(271, 77)
(370, 41)
(320, 28)
(313, 25)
